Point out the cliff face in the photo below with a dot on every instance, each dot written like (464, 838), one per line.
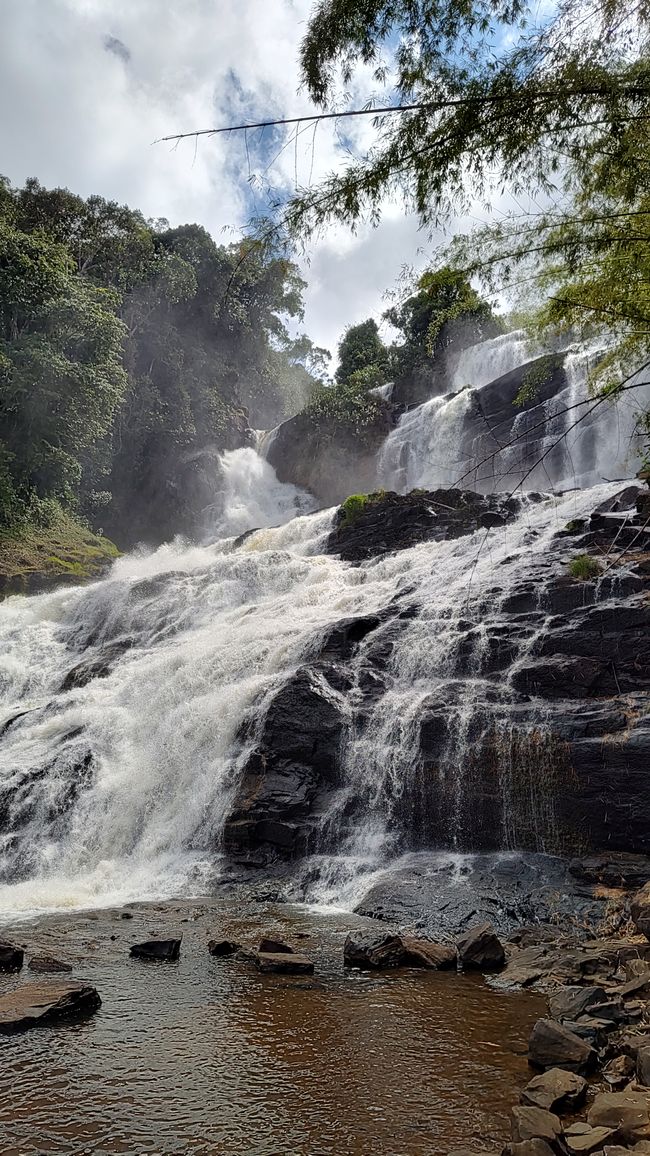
(536, 734)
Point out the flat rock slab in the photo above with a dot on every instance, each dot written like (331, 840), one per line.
(46, 1003)
(283, 963)
(45, 964)
(157, 949)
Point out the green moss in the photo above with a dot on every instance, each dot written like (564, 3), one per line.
(584, 567)
(574, 525)
(34, 556)
(355, 505)
(535, 379)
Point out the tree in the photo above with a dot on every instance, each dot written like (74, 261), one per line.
(483, 92)
(444, 315)
(361, 347)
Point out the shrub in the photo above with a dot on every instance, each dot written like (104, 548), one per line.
(584, 567)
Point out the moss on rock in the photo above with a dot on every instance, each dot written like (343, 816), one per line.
(33, 558)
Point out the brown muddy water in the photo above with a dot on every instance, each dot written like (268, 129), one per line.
(207, 1056)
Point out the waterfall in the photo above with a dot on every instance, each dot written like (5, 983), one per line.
(480, 364)
(253, 496)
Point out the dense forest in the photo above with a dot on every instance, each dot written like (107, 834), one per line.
(131, 352)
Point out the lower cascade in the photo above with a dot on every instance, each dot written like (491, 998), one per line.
(325, 693)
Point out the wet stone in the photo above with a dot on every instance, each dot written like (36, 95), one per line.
(530, 1123)
(368, 949)
(223, 947)
(11, 957)
(555, 1090)
(45, 963)
(552, 1045)
(274, 946)
(167, 949)
(283, 963)
(45, 1003)
(481, 948)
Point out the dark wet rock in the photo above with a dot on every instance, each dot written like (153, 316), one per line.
(571, 1002)
(126, 915)
(94, 666)
(532, 1123)
(11, 957)
(613, 870)
(283, 963)
(390, 522)
(640, 910)
(45, 963)
(295, 756)
(424, 953)
(168, 949)
(555, 1090)
(481, 948)
(274, 946)
(552, 1045)
(46, 1003)
(371, 949)
(223, 947)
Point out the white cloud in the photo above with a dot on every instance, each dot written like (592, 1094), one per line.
(87, 85)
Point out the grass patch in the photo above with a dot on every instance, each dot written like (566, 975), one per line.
(33, 557)
(584, 567)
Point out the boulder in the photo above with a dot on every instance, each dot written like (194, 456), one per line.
(569, 1003)
(640, 910)
(626, 1112)
(221, 947)
(274, 946)
(424, 953)
(45, 1003)
(11, 957)
(370, 949)
(530, 1123)
(283, 963)
(551, 1045)
(45, 963)
(157, 949)
(481, 948)
(555, 1090)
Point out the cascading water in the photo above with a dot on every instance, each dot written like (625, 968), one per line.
(129, 706)
(454, 439)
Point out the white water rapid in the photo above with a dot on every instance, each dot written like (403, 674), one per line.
(126, 706)
(449, 440)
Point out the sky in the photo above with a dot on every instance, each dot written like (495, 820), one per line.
(87, 86)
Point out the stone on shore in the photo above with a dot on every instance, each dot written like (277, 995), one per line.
(643, 1066)
(283, 963)
(425, 953)
(626, 1112)
(551, 1045)
(555, 1090)
(46, 964)
(157, 949)
(534, 1147)
(481, 948)
(569, 1003)
(44, 1003)
(640, 909)
(222, 947)
(370, 949)
(11, 957)
(587, 1139)
(530, 1123)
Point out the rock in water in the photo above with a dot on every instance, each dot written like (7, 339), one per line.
(481, 948)
(283, 963)
(11, 957)
(157, 949)
(222, 947)
(372, 950)
(424, 953)
(273, 946)
(641, 910)
(553, 1046)
(45, 1003)
(45, 963)
(555, 1090)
